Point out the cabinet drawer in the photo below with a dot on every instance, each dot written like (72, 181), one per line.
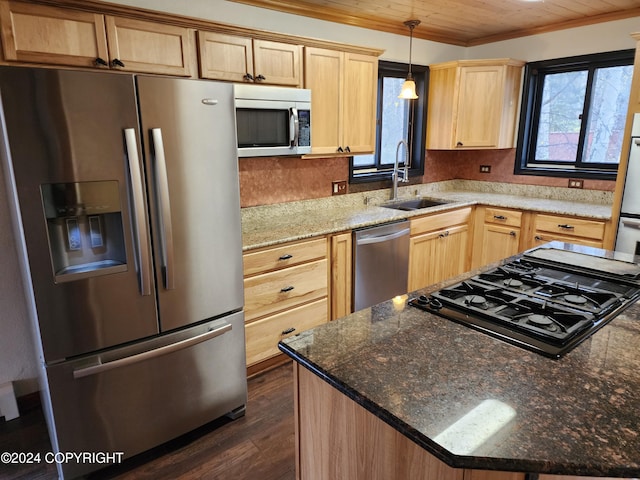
(271, 292)
(501, 216)
(576, 227)
(541, 238)
(262, 337)
(440, 221)
(284, 256)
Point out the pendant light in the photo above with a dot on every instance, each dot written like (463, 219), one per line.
(408, 90)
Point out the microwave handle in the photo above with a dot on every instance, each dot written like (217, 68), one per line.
(294, 124)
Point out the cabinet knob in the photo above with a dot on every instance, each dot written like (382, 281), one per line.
(347, 149)
(459, 144)
(538, 238)
(499, 217)
(260, 78)
(340, 149)
(288, 331)
(286, 256)
(249, 77)
(566, 226)
(99, 62)
(512, 233)
(117, 63)
(286, 289)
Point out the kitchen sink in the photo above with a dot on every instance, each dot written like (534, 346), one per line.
(417, 204)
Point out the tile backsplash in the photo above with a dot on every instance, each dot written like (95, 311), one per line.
(270, 180)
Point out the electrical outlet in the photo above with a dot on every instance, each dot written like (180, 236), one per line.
(576, 183)
(485, 168)
(339, 187)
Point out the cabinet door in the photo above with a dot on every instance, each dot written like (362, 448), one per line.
(225, 57)
(359, 103)
(341, 274)
(149, 47)
(499, 242)
(276, 63)
(50, 35)
(323, 75)
(438, 255)
(479, 106)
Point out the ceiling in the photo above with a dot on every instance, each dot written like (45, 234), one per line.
(460, 22)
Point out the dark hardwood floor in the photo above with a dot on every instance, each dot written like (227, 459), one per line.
(259, 445)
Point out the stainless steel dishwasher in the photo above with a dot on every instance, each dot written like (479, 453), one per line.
(381, 263)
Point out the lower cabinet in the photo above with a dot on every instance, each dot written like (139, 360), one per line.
(439, 247)
(581, 231)
(286, 292)
(497, 235)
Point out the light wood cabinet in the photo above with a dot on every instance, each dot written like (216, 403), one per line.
(243, 59)
(341, 275)
(473, 104)
(438, 247)
(57, 36)
(546, 228)
(497, 236)
(286, 292)
(343, 98)
(492, 475)
(142, 46)
(337, 438)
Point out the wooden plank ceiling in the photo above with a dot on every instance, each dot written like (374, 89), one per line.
(460, 22)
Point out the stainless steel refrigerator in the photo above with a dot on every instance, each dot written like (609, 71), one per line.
(628, 237)
(126, 199)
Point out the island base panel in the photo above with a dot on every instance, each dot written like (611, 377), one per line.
(337, 438)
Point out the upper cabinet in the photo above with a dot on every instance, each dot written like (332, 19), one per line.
(242, 59)
(42, 34)
(473, 104)
(343, 98)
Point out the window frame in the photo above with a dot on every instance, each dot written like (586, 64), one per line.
(534, 74)
(417, 123)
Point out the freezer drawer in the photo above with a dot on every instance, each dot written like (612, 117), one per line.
(135, 398)
(628, 238)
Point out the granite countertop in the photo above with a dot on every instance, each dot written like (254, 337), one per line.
(273, 224)
(424, 375)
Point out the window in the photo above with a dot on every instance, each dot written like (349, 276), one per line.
(397, 120)
(573, 115)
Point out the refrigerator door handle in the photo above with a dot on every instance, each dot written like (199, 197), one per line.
(164, 207)
(144, 256)
(631, 223)
(149, 354)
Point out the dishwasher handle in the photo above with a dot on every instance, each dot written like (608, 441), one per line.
(382, 238)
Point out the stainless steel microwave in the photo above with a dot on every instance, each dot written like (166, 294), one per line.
(272, 121)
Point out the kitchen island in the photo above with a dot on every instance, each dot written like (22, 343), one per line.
(396, 392)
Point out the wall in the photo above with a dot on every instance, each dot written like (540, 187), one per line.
(276, 180)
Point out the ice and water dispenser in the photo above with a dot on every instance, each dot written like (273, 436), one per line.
(84, 224)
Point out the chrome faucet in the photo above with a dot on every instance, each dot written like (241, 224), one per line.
(396, 171)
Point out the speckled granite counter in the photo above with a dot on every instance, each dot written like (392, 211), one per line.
(420, 373)
(273, 224)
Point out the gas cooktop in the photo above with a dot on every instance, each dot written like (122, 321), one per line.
(546, 300)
